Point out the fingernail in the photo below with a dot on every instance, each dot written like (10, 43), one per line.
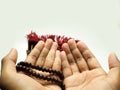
(115, 56)
(11, 51)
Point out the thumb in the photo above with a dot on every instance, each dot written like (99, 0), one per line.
(9, 62)
(114, 66)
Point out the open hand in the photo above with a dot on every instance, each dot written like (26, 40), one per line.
(43, 54)
(82, 71)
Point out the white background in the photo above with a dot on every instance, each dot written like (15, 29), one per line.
(96, 22)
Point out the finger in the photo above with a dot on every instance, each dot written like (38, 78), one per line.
(34, 54)
(57, 62)
(51, 56)
(88, 56)
(114, 66)
(41, 59)
(65, 65)
(70, 58)
(113, 61)
(81, 62)
(9, 63)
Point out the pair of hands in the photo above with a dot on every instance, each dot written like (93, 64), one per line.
(81, 69)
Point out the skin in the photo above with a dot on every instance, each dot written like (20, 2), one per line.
(12, 80)
(82, 70)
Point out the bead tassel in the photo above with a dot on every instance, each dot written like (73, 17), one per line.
(33, 38)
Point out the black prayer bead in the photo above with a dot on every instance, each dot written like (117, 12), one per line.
(27, 68)
(42, 69)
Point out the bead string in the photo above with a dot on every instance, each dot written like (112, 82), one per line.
(58, 73)
(25, 67)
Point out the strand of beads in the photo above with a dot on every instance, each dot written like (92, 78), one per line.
(27, 68)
